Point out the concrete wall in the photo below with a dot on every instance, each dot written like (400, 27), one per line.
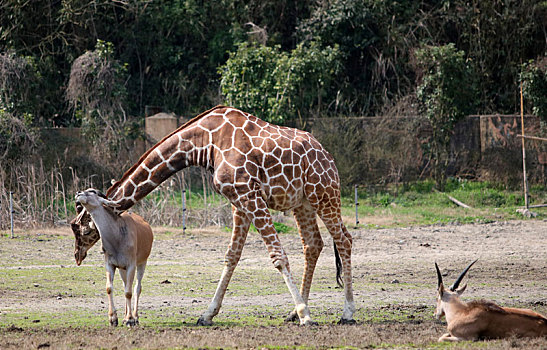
(160, 125)
(474, 137)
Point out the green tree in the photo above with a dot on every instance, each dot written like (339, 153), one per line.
(497, 36)
(276, 85)
(18, 139)
(534, 80)
(18, 83)
(446, 93)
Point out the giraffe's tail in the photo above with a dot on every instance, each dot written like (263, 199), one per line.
(338, 262)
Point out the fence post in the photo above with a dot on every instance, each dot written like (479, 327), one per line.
(11, 211)
(204, 186)
(356, 207)
(525, 179)
(183, 194)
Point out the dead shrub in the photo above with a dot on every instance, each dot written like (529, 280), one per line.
(376, 150)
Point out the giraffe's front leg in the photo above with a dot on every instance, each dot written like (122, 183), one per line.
(306, 221)
(239, 235)
(263, 222)
(112, 316)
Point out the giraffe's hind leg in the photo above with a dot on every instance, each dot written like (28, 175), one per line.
(328, 209)
(312, 243)
(239, 234)
(342, 238)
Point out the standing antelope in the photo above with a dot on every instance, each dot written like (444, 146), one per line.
(127, 241)
(483, 319)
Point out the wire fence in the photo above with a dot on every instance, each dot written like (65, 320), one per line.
(31, 197)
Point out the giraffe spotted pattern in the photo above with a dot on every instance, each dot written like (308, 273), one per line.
(257, 166)
(85, 233)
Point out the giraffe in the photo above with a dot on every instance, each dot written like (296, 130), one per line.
(257, 166)
(85, 233)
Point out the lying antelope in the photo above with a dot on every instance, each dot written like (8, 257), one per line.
(483, 319)
(127, 241)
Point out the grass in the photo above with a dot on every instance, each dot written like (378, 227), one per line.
(53, 274)
(418, 204)
(37, 320)
(414, 204)
(54, 281)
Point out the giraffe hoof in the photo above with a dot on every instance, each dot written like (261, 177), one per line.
(114, 322)
(293, 317)
(310, 323)
(203, 322)
(344, 321)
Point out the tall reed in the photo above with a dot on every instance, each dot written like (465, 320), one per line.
(45, 198)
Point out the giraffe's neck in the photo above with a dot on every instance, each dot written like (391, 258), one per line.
(186, 147)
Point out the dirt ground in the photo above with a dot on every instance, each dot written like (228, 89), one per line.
(393, 271)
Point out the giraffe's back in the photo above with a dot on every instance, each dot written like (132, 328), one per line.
(289, 164)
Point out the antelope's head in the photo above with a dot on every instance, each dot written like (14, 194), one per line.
(85, 232)
(92, 199)
(450, 294)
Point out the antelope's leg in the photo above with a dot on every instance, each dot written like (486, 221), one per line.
(448, 337)
(137, 290)
(112, 316)
(128, 276)
(239, 234)
(306, 221)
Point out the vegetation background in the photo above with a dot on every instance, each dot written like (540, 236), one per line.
(101, 65)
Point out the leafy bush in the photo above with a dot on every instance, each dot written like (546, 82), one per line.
(534, 80)
(279, 86)
(96, 89)
(446, 93)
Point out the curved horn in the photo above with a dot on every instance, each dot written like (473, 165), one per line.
(439, 276)
(462, 275)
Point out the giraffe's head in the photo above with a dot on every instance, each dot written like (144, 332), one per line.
(85, 233)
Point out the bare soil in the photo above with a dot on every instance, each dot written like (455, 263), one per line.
(394, 286)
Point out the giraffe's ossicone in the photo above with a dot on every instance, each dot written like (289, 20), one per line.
(257, 166)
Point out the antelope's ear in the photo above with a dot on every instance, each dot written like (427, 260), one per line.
(108, 203)
(461, 289)
(441, 290)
